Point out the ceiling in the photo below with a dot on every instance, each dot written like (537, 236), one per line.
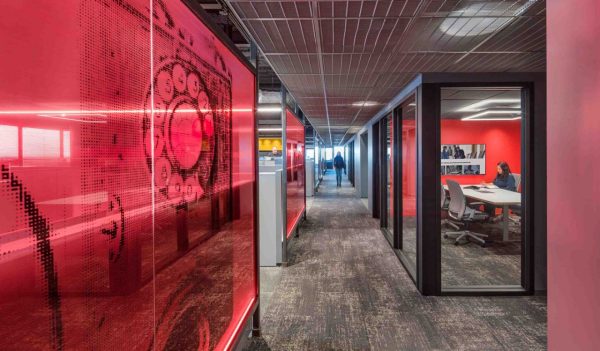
(334, 55)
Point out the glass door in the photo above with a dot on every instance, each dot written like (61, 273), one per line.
(482, 176)
(386, 125)
(408, 184)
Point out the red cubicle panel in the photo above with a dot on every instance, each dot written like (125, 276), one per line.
(295, 170)
(127, 178)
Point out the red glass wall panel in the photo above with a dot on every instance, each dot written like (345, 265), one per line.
(127, 178)
(295, 170)
(408, 178)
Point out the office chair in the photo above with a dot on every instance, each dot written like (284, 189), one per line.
(445, 208)
(516, 209)
(459, 211)
(517, 177)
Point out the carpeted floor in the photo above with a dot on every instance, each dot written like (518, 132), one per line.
(345, 289)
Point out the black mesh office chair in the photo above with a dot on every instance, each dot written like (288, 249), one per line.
(517, 178)
(459, 211)
(444, 198)
(516, 209)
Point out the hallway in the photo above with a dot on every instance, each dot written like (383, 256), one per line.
(344, 289)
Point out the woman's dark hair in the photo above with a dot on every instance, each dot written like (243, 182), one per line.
(505, 170)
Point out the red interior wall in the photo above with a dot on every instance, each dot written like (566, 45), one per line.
(409, 168)
(295, 171)
(502, 140)
(94, 253)
(573, 152)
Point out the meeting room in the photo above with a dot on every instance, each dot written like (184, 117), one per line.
(480, 162)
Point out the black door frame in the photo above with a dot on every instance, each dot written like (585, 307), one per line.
(396, 176)
(383, 198)
(427, 88)
(395, 237)
(429, 231)
(376, 171)
(350, 162)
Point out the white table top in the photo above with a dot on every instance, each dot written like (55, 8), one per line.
(494, 196)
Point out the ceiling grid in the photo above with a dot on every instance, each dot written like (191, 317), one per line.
(335, 55)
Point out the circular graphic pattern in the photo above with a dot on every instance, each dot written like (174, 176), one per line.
(115, 229)
(184, 131)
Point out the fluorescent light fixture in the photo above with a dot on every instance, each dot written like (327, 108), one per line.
(470, 26)
(480, 18)
(269, 109)
(478, 106)
(365, 103)
(476, 116)
(412, 104)
(269, 129)
(492, 119)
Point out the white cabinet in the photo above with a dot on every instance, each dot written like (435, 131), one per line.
(271, 214)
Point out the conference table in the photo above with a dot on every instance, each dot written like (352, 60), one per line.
(496, 197)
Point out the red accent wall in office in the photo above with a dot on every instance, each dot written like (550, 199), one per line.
(409, 167)
(295, 170)
(502, 140)
(573, 174)
(107, 243)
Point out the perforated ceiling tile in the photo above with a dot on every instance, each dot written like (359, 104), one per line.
(368, 50)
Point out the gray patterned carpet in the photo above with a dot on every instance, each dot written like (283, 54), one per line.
(344, 289)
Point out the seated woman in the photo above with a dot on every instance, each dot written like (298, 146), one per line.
(504, 179)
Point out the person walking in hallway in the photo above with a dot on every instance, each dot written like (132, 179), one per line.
(339, 164)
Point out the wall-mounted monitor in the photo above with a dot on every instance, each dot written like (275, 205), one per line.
(463, 159)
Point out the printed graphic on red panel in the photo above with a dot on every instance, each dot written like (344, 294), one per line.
(127, 179)
(295, 170)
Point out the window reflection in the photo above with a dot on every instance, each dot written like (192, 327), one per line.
(409, 182)
(27, 145)
(9, 148)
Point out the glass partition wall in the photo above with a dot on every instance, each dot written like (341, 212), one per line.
(386, 126)
(456, 160)
(128, 196)
(296, 191)
(398, 164)
(481, 173)
(408, 183)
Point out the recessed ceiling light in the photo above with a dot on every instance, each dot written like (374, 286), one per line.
(470, 27)
(365, 103)
(478, 106)
(482, 18)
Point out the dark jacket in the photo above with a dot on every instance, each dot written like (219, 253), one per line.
(338, 162)
(507, 183)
